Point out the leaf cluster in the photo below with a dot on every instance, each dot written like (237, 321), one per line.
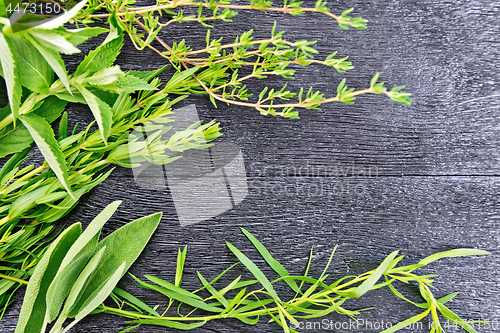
(78, 272)
(314, 297)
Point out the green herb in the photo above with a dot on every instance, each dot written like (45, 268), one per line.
(320, 299)
(79, 269)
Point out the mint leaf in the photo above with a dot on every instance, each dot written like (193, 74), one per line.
(43, 135)
(10, 69)
(101, 110)
(36, 74)
(102, 57)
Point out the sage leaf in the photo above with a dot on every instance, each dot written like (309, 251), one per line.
(74, 261)
(101, 111)
(102, 57)
(74, 294)
(64, 18)
(99, 295)
(32, 315)
(36, 74)
(10, 69)
(125, 244)
(43, 135)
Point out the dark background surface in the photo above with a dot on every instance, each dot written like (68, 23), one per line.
(435, 164)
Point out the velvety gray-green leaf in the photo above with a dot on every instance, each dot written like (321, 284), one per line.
(32, 316)
(124, 244)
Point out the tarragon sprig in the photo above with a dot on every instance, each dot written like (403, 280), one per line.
(314, 297)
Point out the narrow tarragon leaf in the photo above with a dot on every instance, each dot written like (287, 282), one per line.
(101, 111)
(372, 280)
(452, 254)
(278, 268)
(43, 135)
(125, 244)
(77, 257)
(134, 300)
(406, 323)
(55, 61)
(454, 318)
(254, 270)
(36, 74)
(64, 18)
(31, 318)
(10, 68)
(168, 323)
(102, 57)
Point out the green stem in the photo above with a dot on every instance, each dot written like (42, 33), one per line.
(3, 276)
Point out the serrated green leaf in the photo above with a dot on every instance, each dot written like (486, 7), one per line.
(43, 135)
(79, 36)
(74, 261)
(36, 74)
(54, 60)
(102, 57)
(105, 76)
(101, 111)
(10, 69)
(53, 40)
(125, 244)
(32, 316)
(255, 271)
(275, 265)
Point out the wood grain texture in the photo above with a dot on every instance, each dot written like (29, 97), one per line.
(423, 178)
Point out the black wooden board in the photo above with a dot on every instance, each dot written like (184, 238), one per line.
(422, 178)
